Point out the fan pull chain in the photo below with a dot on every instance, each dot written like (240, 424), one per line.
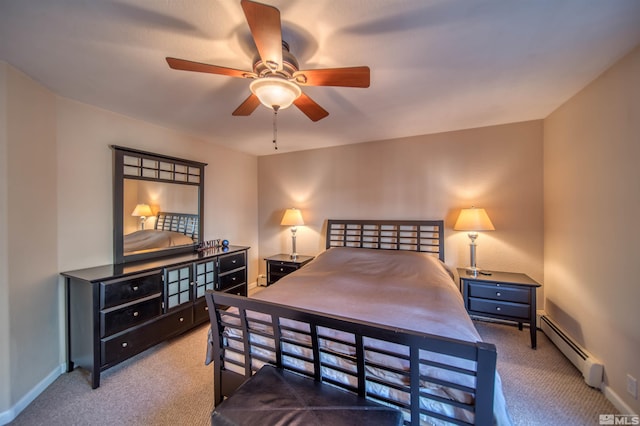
(275, 126)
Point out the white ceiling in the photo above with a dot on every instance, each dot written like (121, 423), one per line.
(436, 65)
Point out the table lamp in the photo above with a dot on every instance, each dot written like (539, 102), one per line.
(293, 218)
(473, 220)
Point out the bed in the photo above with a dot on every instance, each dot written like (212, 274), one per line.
(170, 230)
(385, 274)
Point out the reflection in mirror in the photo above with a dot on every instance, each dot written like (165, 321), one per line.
(158, 205)
(140, 232)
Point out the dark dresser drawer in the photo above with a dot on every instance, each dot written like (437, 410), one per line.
(200, 311)
(515, 310)
(232, 279)
(231, 261)
(240, 290)
(134, 287)
(124, 345)
(498, 291)
(120, 318)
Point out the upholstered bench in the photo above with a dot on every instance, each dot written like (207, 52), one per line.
(276, 396)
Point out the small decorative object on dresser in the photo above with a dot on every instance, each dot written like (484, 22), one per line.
(501, 295)
(282, 264)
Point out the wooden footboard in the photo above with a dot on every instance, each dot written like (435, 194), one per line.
(425, 376)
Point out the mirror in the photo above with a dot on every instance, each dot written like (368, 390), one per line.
(158, 205)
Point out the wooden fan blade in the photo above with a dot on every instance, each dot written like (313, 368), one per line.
(248, 106)
(264, 23)
(184, 65)
(310, 108)
(345, 77)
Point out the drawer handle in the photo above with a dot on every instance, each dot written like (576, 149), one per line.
(234, 261)
(134, 288)
(498, 308)
(206, 308)
(181, 319)
(136, 313)
(281, 269)
(125, 344)
(233, 279)
(498, 294)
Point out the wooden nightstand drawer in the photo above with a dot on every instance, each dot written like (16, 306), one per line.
(507, 309)
(282, 265)
(498, 291)
(505, 296)
(282, 269)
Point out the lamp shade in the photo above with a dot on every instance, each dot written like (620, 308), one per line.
(142, 210)
(274, 91)
(292, 217)
(473, 219)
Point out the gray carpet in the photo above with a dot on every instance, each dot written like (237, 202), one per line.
(541, 386)
(169, 385)
(165, 385)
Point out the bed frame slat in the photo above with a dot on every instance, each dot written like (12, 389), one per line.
(426, 236)
(360, 341)
(183, 223)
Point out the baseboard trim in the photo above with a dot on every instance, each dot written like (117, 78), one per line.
(617, 402)
(13, 412)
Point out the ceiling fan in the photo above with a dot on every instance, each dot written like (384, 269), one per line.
(276, 74)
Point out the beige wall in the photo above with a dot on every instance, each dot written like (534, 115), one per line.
(423, 177)
(85, 197)
(30, 279)
(5, 366)
(592, 207)
(55, 200)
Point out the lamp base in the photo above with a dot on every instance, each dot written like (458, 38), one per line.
(474, 272)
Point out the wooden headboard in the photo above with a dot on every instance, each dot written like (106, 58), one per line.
(425, 236)
(183, 223)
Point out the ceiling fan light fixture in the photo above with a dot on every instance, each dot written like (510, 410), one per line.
(274, 91)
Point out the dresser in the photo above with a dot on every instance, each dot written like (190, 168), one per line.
(117, 311)
(502, 295)
(280, 265)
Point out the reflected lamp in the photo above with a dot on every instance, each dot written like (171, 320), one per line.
(142, 211)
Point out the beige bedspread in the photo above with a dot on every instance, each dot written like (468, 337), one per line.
(403, 289)
(147, 239)
(410, 290)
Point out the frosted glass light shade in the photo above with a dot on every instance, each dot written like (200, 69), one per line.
(275, 91)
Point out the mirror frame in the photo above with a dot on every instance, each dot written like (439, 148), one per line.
(119, 175)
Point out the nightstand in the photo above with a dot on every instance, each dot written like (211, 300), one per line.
(282, 264)
(502, 295)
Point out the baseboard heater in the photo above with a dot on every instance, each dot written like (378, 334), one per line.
(590, 367)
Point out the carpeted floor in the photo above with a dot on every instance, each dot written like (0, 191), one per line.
(165, 385)
(170, 385)
(541, 386)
